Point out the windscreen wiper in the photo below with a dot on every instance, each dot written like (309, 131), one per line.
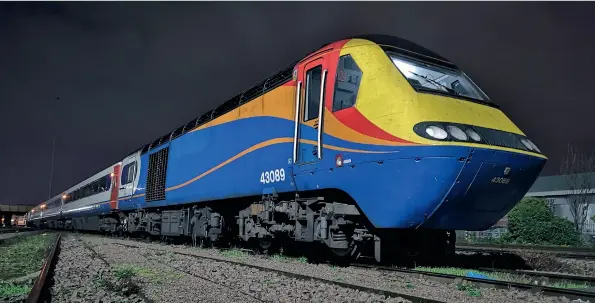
(448, 89)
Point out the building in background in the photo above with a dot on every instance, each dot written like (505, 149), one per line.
(555, 190)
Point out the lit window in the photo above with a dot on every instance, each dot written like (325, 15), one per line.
(428, 77)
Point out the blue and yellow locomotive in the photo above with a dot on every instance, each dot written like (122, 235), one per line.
(370, 141)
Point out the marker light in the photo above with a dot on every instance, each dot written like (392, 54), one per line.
(436, 132)
(473, 135)
(456, 132)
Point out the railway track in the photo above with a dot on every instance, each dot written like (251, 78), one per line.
(98, 256)
(546, 277)
(7, 230)
(10, 235)
(13, 229)
(377, 291)
(539, 278)
(565, 252)
(190, 273)
(487, 283)
(39, 293)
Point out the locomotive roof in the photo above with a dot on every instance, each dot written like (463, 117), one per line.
(407, 47)
(390, 43)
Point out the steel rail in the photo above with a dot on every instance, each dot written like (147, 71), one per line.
(190, 273)
(95, 254)
(39, 291)
(7, 236)
(484, 283)
(386, 293)
(540, 276)
(568, 252)
(8, 230)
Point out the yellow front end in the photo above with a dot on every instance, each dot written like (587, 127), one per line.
(387, 99)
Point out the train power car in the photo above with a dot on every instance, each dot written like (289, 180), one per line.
(369, 144)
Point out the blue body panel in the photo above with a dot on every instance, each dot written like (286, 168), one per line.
(438, 187)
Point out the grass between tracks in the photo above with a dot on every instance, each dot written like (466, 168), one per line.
(127, 271)
(19, 257)
(498, 276)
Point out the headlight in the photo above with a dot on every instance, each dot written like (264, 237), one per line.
(473, 135)
(457, 133)
(527, 144)
(436, 132)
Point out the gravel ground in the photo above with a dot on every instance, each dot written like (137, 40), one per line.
(579, 266)
(79, 276)
(365, 277)
(182, 278)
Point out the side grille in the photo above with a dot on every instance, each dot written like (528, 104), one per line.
(156, 175)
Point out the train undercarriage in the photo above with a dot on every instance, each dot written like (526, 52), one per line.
(270, 225)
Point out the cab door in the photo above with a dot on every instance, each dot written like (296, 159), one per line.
(128, 176)
(309, 117)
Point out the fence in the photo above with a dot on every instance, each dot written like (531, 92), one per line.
(589, 228)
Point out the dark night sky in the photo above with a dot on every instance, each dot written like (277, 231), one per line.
(127, 73)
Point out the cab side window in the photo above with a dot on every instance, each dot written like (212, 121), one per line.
(347, 83)
(313, 81)
(128, 172)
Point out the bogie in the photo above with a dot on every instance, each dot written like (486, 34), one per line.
(268, 226)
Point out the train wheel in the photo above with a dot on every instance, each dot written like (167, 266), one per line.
(342, 252)
(268, 245)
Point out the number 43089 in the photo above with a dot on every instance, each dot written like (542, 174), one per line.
(272, 176)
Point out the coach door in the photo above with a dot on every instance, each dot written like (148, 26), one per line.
(115, 177)
(310, 99)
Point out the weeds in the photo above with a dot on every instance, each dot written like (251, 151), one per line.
(569, 285)
(121, 281)
(124, 272)
(233, 253)
(10, 290)
(471, 290)
(23, 256)
(280, 258)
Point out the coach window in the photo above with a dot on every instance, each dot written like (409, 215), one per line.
(95, 185)
(313, 78)
(346, 83)
(104, 183)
